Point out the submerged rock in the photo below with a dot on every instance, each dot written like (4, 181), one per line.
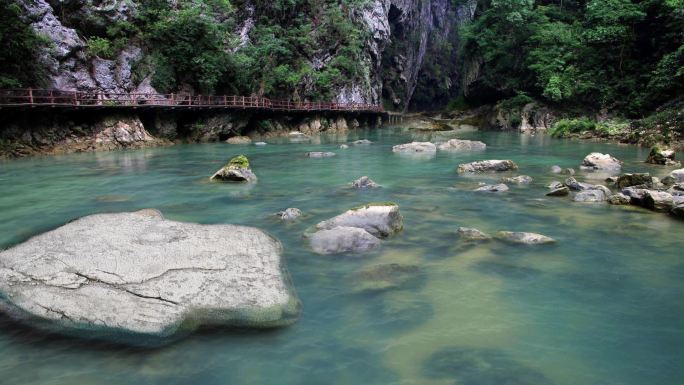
(139, 278)
(472, 235)
(556, 169)
(559, 192)
(469, 366)
(237, 170)
(524, 238)
(520, 179)
(289, 214)
(487, 166)
(604, 162)
(619, 199)
(662, 156)
(342, 239)
(414, 147)
(462, 145)
(239, 140)
(320, 154)
(364, 183)
(492, 188)
(385, 277)
(380, 219)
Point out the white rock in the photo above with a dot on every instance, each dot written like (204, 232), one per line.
(413, 147)
(139, 278)
(678, 175)
(598, 161)
(379, 219)
(319, 154)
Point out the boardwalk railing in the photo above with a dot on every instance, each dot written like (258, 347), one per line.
(77, 99)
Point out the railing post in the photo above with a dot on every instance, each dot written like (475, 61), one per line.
(30, 91)
(52, 98)
(75, 99)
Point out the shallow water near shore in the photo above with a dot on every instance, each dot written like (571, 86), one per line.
(601, 307)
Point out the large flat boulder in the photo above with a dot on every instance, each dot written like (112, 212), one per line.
(493, 165)
(139, 278)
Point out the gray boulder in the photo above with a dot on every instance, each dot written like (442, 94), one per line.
(320, 154)
(658, 201)
(364, 183)
(344, 146)
(636, 195)
(603, 162)
(556, 169)
(524, 238)
(619, 199)
(678, 175)
(379, 219)
(568, 171)
(487, 166)
(289, 214)
(237, 170)
(555, 185)
(342, 239)
(142, 279)
(415, 147)
(462, 145)
(492, 188)
(590, 196)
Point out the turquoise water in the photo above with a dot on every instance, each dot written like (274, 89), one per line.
(602, 307)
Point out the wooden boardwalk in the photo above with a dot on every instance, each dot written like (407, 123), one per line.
(90, 100)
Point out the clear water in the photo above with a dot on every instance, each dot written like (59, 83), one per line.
(604, 306)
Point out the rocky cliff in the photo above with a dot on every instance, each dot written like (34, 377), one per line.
(397, 40)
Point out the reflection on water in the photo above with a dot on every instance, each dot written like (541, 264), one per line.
(603, 306)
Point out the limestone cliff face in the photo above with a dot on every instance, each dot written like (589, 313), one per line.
(400, 35)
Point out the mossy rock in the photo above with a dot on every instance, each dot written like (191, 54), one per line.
(239, 161)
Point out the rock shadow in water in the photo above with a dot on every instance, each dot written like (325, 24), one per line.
(393, 314)
(481, 367)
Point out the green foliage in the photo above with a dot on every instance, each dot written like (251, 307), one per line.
(572, 126)
(20, 49)
(100, 47)
(623, 55)
(458, 104)
(239, 161)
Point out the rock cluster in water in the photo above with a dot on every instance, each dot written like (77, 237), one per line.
(357, 230)
(139, 278)
(364, 183)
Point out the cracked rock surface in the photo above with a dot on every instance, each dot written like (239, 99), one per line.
(139, 278)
